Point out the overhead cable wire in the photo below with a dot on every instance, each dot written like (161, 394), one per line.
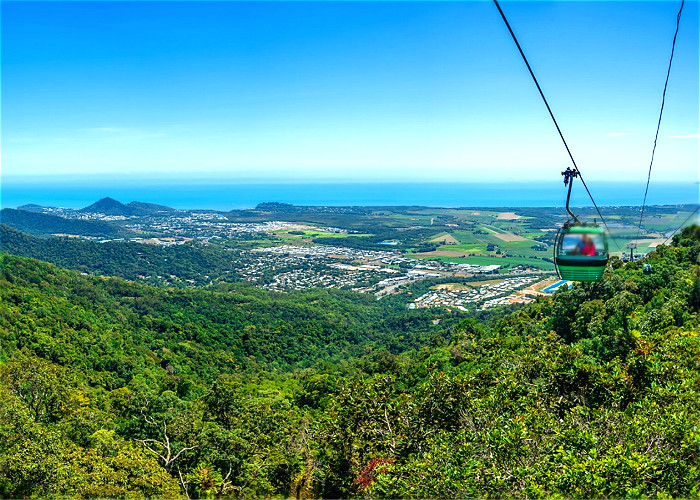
(658, 124)
(682, 224)
(551, 114)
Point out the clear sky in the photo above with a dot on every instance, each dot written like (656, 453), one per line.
(346, 90)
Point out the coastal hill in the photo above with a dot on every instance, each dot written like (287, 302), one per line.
(41, 224)
(150, 208)
(110, 206)
(33, 207)
(179, 265)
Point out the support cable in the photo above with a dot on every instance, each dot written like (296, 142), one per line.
(682, 224)
(658, 124)
(551, 114)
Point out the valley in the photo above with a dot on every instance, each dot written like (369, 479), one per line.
(373, 250)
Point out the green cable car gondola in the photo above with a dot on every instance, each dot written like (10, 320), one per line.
(580, 250)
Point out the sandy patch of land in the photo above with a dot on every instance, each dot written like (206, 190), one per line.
(451, 287)
(534, 289)
(656, 243)
(508, 216)
(465, 286)
(652, 244)
(540, 285)
(445, 239)
(506, 236)
(443, 253)
(510, 237)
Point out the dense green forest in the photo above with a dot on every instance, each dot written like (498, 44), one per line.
(180, 265)
(40, 224)
(110, 388)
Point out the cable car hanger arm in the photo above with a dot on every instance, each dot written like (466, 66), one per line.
(569, 175)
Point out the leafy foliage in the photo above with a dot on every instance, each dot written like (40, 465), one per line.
(40, 224)
(180, 265)
(109, 388)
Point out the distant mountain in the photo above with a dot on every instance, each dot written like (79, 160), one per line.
(150, 207)
(33, 207)
(275, 206)
(110, 206)
(39, 224)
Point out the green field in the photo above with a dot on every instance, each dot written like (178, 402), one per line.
(415, 228)
(285, 234)
(485, 260)
(657, 221)
(478, 244)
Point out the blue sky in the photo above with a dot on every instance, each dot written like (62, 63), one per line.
(370, 91)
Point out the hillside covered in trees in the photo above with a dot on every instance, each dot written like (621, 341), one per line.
(40, 224)
(186, 265)
(110, 388)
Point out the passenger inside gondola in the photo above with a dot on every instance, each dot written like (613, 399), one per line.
(582, 245)
(587, 246)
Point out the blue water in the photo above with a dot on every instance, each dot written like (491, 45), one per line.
(553, 288)
(230, 195)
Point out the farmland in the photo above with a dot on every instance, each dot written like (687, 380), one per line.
(380, 250)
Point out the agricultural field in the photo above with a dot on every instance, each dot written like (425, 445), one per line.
(505, 262)
(526, 236)
(507, 237)
(309, 233)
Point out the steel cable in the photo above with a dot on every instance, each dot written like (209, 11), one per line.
(551, 114)
(682, 224)
(658, 124)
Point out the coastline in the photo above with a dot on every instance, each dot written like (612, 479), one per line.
(231, 196)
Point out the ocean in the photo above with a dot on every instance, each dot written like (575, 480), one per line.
(230, 195)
